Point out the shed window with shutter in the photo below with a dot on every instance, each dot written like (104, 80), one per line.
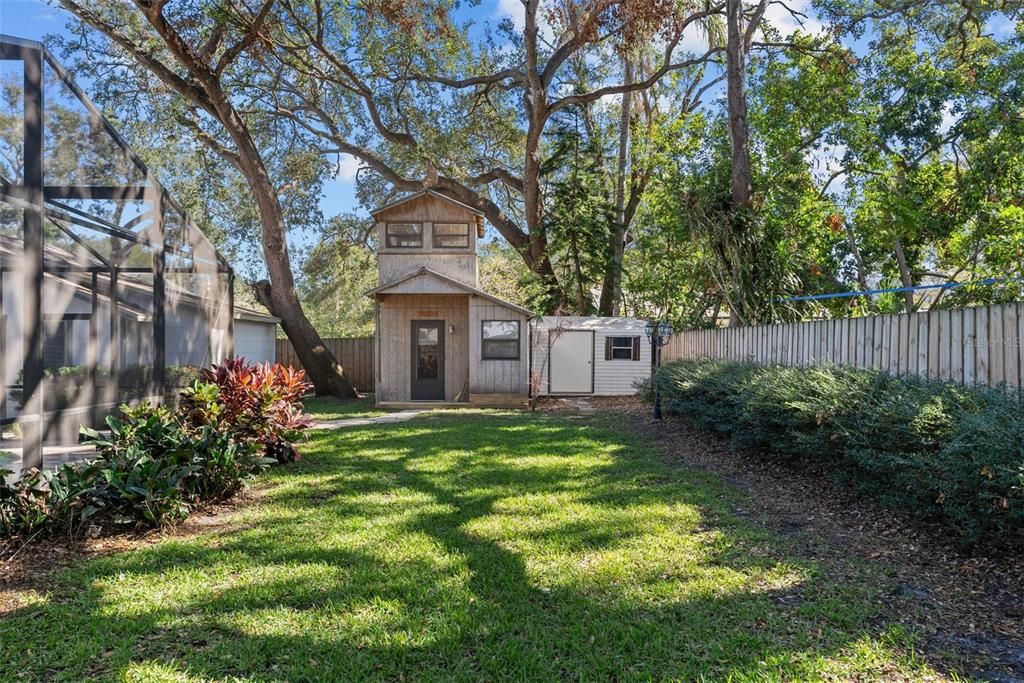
(622, 348)
(404, 235)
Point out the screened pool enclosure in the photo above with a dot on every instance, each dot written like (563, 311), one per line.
(109, 293)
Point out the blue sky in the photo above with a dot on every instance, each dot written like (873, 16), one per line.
(35, 19)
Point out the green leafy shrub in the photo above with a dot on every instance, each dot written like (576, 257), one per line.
(256, 404)
(24, 503)
(65, 385)
(979, 472)
(155, 465)
(936, 449)
(150, 470)
(43, 500)
(181, 376)
(644, 388)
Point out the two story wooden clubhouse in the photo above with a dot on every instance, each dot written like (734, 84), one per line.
(438, 337)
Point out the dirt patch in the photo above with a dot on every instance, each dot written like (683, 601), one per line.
(968, 609)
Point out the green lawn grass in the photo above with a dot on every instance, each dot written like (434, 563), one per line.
(464, 547)
(328, 408)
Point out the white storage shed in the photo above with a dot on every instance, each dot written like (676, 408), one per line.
(589, 355)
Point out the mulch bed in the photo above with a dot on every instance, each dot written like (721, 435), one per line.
(968, 608)
(27, 566)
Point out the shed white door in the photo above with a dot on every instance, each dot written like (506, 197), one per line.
(571, 362)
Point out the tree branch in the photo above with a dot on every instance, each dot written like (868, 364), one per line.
(354, 83)
(231, 54)
(513, 181)
(515, 75)
(183, 86)
(582, 98)
(579, 34)
(210, 141)
(754, 22)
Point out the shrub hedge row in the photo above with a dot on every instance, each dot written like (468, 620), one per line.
(938, 450)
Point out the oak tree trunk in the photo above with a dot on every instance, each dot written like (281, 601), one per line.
(611, 289)
(328, 377)
(905, 278)
(736, 81)
(279, 296)
(537, 258)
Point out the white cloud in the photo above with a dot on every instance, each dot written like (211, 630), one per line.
(1001, 25)
(786, 23)
(949, 118)
(694, 40)
(514, 9)
(347, 168)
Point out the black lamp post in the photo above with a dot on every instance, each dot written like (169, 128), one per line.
(658, 334)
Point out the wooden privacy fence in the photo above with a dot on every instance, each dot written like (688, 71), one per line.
(980, 345)
(354, 353)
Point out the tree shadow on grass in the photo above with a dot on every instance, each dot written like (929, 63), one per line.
(457, 549)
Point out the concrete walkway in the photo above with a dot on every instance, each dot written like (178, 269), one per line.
(53, 457)
(340, 423)
(580, 404)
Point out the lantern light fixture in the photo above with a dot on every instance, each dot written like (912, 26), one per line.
(659, 333)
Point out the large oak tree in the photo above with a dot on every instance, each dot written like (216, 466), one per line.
(209, 54)
(399, 87)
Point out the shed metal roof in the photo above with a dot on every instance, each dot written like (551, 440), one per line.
(592, 323)
(254, 316)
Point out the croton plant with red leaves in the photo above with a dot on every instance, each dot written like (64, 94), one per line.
(258, 403)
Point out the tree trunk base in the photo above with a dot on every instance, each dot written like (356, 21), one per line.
(322, 369)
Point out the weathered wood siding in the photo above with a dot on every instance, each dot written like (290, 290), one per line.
(428, 298)
(394, 343)
(391, 267)
(497, 376)
(486, 377)
(983, 345)
(460, 264)
(355, 355)
(425, 284)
